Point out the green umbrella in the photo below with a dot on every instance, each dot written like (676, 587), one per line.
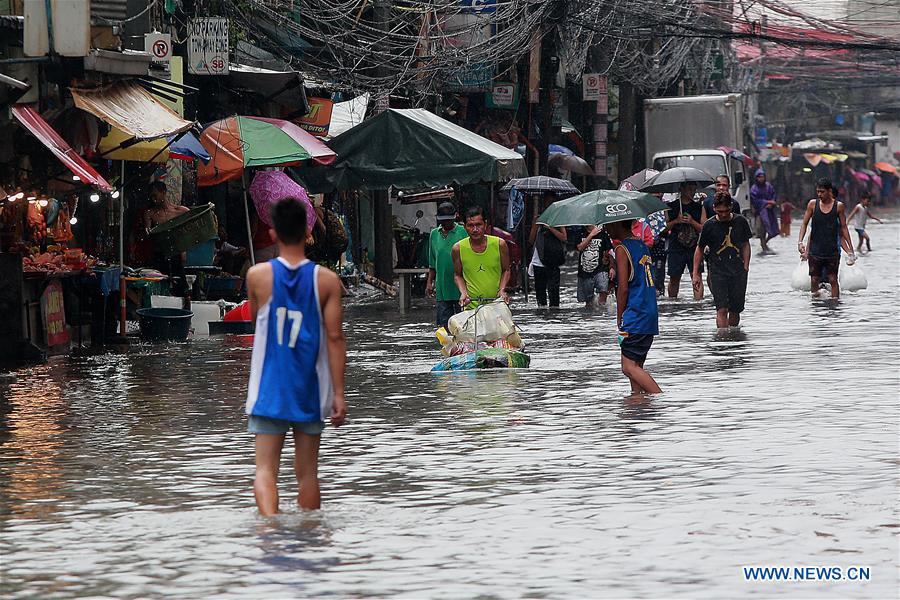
(600, 207)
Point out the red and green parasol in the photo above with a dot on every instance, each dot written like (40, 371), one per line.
(239, 142)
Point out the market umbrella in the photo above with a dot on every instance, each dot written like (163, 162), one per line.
(600, 207)
(268, 187)
(629, 184)
(239, 142)
(670, 180)
(570, 163)
(556, 148)
(737, 155)
(886, 167)
(541, 184)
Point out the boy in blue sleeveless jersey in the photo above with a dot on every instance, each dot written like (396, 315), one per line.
(299, 354)
(636, 313)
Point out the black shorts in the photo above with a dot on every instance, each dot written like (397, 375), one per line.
(679, 259)
(444, 309)
(635, 345)
(831, 264)
(729, 291)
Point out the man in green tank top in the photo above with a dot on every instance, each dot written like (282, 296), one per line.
(481, 263)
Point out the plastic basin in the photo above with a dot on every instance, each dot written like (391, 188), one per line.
(165, 324)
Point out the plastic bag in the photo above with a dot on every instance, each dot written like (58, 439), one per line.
(852, 278)
(494, 323)
(800, 277)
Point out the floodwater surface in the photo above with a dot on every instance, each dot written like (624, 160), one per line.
(128, 474)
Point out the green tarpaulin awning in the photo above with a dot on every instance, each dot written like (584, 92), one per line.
(411, 148)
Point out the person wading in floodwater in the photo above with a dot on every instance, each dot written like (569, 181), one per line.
(299, 355)
(441, 283)
(727, 237)
(481, 263)
(825, 216)
(637, 315)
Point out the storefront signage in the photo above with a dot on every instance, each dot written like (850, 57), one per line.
(503, 95)
(592, 86)
(159, 47)
(208, 46)
(478, 6)
(53, 314)
(318, 119)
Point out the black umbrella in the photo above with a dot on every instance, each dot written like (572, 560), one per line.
(637, 180)
(542, 184)
(670, 180)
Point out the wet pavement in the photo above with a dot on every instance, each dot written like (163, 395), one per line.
(129, 474)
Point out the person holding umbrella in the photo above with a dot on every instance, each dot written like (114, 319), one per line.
(549, 255)
(683, 224)
(637, 315)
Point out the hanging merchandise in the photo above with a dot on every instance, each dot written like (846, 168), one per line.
(37, 227)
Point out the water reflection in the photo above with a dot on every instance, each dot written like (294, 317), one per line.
(128, 473)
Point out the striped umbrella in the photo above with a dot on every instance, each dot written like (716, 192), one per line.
(239, 142)
(541, 184)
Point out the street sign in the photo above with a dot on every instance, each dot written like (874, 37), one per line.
(208, 46)
(592, 86)
(503, 95)
(158, 46)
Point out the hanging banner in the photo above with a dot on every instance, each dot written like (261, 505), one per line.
(53, 314)
(318, 119)
(208, 46)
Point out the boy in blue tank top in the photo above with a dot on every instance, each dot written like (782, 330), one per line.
(299, 354)
(636, 313)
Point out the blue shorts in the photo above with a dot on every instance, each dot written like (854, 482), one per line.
(277, 426)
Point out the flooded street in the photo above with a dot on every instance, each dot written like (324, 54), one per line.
(129, 474)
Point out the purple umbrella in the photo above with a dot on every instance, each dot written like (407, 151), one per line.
(269, 187)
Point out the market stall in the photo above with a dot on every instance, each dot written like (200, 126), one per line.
(51, 287)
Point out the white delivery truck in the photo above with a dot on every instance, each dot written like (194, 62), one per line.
(688, 132)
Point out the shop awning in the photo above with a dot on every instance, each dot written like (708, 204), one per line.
(129, 107)
(42, 130)
(411, 148)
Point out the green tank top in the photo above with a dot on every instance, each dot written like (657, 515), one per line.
(481, 270)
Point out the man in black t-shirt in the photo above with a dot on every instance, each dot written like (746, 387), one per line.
(726, 239)
(683, 224)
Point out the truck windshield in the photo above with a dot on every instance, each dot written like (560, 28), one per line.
(712, 165)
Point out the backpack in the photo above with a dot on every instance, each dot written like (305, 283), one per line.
(550, 250)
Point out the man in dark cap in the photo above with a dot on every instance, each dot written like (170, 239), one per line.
(441, 284)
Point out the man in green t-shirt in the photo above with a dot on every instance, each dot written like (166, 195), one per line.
(440, 283)
(481, 263)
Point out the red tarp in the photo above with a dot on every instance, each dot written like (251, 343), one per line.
(42, 130)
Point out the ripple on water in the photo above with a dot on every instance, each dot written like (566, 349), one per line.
(128, 474)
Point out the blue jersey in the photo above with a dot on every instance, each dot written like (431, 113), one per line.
(641, 315)
(289, 374)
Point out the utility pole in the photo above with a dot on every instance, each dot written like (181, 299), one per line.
(381, 209)
(627, 109)
(548, 92)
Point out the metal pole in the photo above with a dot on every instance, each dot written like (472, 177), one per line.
(247, 219)
(122, 286)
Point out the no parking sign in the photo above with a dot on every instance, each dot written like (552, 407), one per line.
(158, 46)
